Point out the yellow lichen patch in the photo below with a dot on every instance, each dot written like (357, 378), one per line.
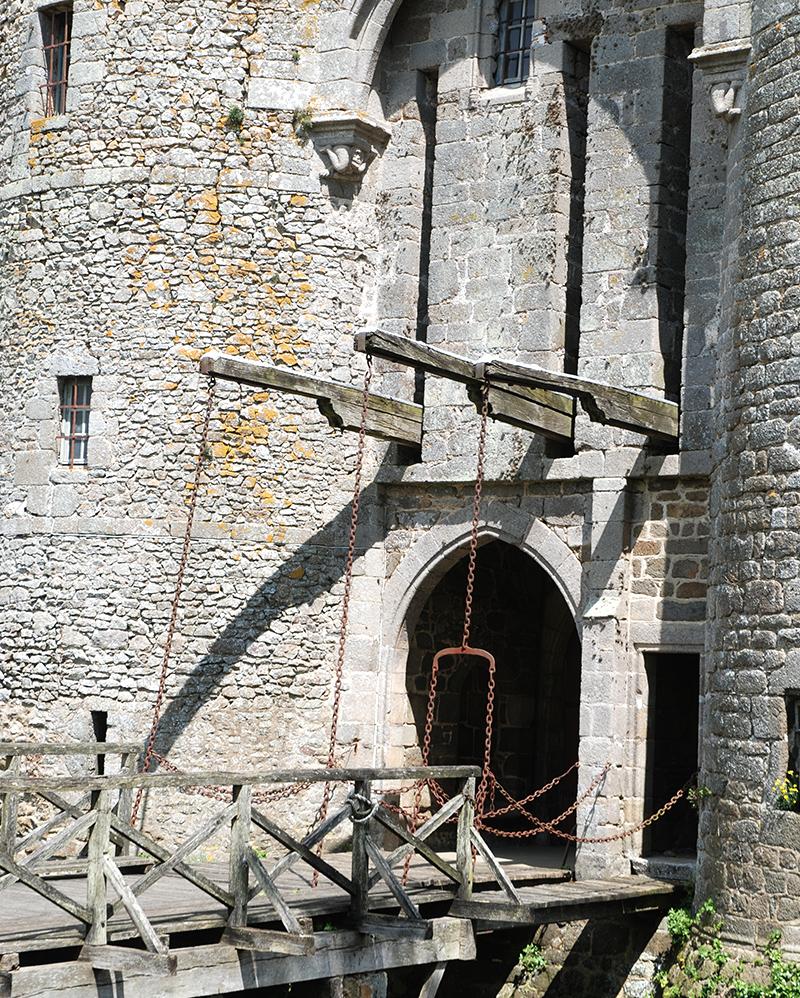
(297, 573)
(170, 386)
(226, 295)
(298, 200)
(220, 450)
(302, 452)
(213, 237)
(192, 353)
(267, 497)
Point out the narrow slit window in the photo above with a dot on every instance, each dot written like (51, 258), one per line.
(793, 712)
(73, 438)
(56, 38)
(515, 36)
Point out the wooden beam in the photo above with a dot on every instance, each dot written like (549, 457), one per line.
(216, 778)
(269, 941)
(213, 970)
(68, 748)
(431, 986)
(391, 927)
(125, 960)
(603, 402)
(538, 410)
(387, 418)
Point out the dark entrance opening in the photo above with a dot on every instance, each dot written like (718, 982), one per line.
(522, 619)
(672, 744)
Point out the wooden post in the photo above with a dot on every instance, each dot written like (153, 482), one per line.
(240, 843)
(8, 820)
(466, 819)
(96, 896)
(360, 858)
(125, 803)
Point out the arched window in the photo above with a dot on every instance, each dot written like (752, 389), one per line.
(514, 41)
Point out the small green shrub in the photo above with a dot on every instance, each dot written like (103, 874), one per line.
(532, 960)
(235, 118)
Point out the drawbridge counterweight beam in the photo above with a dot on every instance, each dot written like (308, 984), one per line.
(387, 418)
(537, 399)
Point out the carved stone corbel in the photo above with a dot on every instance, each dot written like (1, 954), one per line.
(724, 65)
(347, 143)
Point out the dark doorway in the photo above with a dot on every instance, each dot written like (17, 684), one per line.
(522, 619)
(672, 742)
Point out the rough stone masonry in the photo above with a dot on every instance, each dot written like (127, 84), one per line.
(268, 178)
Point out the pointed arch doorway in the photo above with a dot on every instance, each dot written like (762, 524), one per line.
(521, 617)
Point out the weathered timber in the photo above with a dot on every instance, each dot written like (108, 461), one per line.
(211, 970)
(540, 411)
(10, 804)
(68, 748)
(387, 418)
(174, 860)
(156, 781)
(5, 985)
(359, 857)
(391, 927)
(466, 821)
(502, 878)
(96, 892)
(148, 934)
(423, 832)
(269, 941)
(125, 960)
(314, 836)
(394, 885)
(568, 902)
(144, 842)
(267, 885)
(603, 402)
(382, 816)
(314, 861)
(47, 826)
(44, 852)
(79, 911)
(430, 987)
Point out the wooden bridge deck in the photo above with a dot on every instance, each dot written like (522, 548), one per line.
(173, 905)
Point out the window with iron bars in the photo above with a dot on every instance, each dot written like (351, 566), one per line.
(73, 437)
(56, 36)
(514, 41)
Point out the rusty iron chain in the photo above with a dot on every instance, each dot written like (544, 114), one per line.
(476, 515)
(355, 508)
(173, 617)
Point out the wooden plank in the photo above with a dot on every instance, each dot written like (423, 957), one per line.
(494, 866)
(394, 885)
(604, 403)
(419, 846)
(268, 941)
(10, 806)
(44, 852)
(148, 934)
(212, 778)
(68, 748)
(424, 832)
(213, 970)
(540, 411)
(466, 822)
(387, 418)
(267, 885)
(392, 927)
(359, 858)
(314, 861)
(96, 888)
(431, 986)
(125, 960)
(79, 911)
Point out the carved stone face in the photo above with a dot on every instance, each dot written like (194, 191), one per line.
(358, 160)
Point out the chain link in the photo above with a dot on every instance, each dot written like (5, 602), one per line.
(327, 795)
(173, 617)
(476, 514)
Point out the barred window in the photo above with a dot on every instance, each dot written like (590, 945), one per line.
(514, 41)
(56, 36)
(73, 438)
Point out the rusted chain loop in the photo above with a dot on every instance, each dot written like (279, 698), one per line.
(476, 513)
(173, 617)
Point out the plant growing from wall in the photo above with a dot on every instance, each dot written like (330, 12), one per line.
(696, 795)
(301, 122)
(234, 119)
(701, 967)
(787, 792)
(532, 961)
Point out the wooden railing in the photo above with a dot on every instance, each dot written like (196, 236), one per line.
(103, 813)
